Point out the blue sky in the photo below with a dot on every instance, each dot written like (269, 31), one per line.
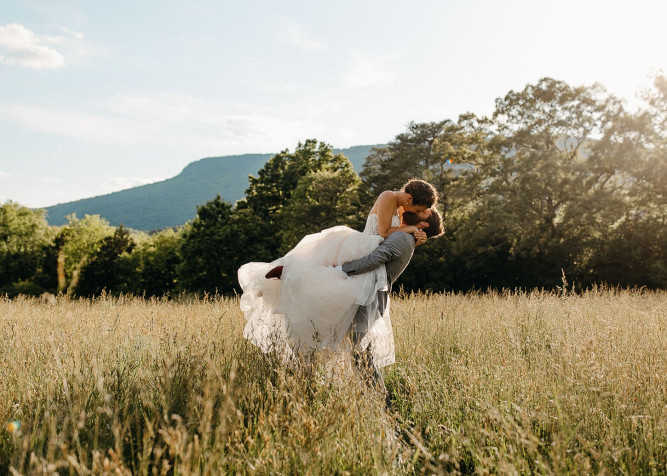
(100, 96)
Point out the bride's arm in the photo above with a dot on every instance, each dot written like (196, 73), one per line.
(386, 208)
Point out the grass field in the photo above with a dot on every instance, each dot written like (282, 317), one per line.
(484, 383)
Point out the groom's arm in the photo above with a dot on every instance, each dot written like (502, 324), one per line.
(397, 244)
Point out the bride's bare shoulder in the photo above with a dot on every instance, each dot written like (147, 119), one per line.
(387, 197)
(386, 200)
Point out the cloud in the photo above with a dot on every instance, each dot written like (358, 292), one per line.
(272, 132)
(214, 125)
(163, 108)
(89, 127)
(22, 47)
(175, 122)
(5, 174)
(365, 70)
(251, 128)
(297, 36)
(75, 34)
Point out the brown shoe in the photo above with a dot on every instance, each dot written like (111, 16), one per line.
(276, 272)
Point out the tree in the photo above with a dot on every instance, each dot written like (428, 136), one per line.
(77, 243)
(216, 243)
(205, 249)
(560, 178)
(634, 250)
(105, 270)
(156, 259)
(439, 152)
(270, 192)
(436, 152)
(411, 154)
(321, 200)
(551, 189)
(24, 238)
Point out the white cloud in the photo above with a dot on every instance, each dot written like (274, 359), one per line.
(172, 121)
(22, 47)
(165, 108)
(122, 183)
(297, 36)
(366, 70)
(272, 133)
(5, 174)
(85, 126)
(76, 34)
(214, 126)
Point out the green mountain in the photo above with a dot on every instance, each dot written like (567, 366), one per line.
(174, 201)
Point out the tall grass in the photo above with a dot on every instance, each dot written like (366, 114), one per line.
(505, 383)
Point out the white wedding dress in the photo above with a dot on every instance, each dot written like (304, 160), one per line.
(312, 305)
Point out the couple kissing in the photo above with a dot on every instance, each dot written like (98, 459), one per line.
(335, 284)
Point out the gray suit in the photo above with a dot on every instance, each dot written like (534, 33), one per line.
(394, 253)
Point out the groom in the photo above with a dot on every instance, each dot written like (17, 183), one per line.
(394, 253)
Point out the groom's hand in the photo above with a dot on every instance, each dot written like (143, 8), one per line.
(420, 237)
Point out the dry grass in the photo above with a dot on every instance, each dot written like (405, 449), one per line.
(485, 383)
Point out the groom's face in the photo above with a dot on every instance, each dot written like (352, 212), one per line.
(417, 219)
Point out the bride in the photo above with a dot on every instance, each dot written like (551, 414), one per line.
(313, 303)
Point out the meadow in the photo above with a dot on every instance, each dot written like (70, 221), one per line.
(505, 383)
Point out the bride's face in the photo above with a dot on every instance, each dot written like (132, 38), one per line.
(409, 207)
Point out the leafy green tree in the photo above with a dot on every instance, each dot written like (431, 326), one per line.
(439, 152)
(24, 238)
(536, 198)
(322, 199)
(411, 154)
(654, 176)
(205, 249)
(634, 250)
(560, 178)
(106, 270)
(435, 151)
(271, 190)
(156, 260)
(216, 243)
(650, 169)
(269, 194)
(46, 277)
(78, 242)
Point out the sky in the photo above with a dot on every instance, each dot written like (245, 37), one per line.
(100, 96)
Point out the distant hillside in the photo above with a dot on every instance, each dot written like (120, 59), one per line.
(174, 201)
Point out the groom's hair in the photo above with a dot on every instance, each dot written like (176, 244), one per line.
(423, 193)
(435, 226)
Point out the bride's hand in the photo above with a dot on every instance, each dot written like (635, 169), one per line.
(420, 237)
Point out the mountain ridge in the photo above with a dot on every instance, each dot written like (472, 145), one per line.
(173, 201)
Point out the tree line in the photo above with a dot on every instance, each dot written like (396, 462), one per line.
(560, 184)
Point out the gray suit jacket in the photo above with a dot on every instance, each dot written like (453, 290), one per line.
(394, 253)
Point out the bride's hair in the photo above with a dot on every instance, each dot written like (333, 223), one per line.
(423, 193)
